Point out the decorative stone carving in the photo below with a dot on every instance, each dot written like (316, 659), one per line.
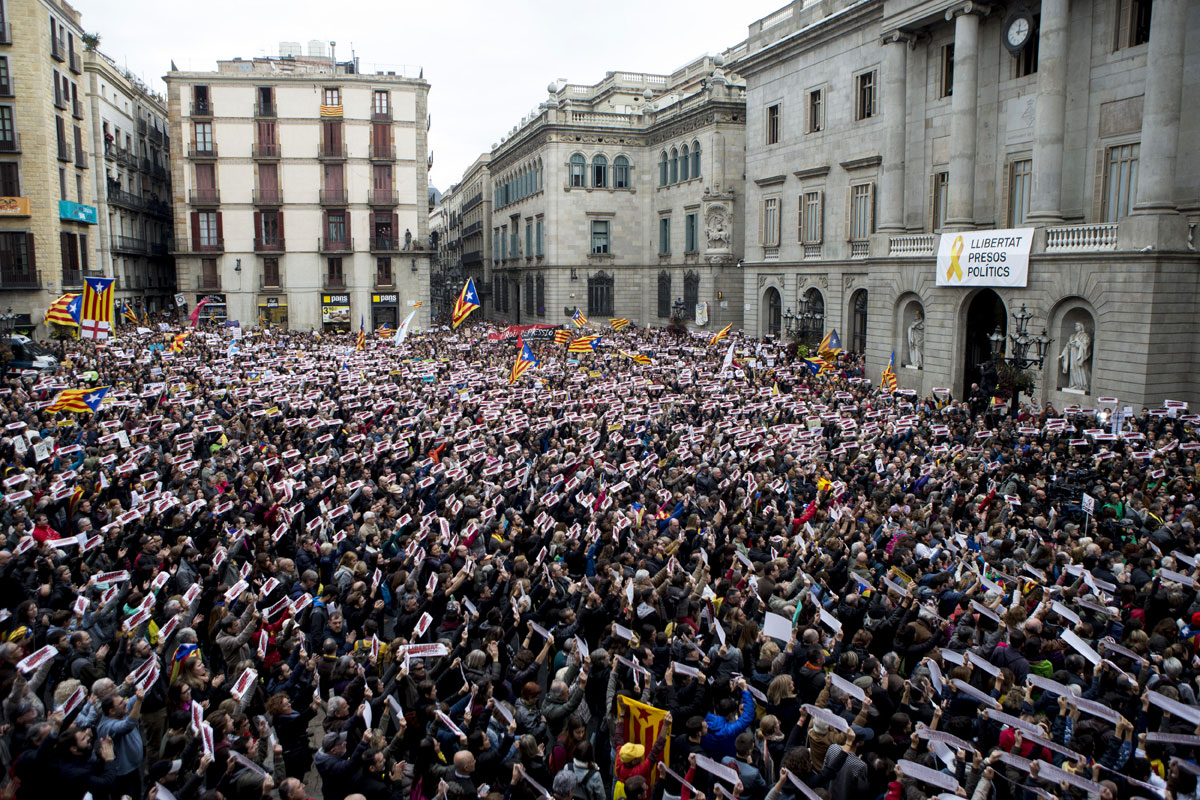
(716, 226)
(823, 281)
(848, 282)
(762, 281)
(1076, 359)
(916, 340)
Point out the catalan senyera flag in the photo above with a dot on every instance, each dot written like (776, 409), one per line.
(96, 316)
(128, 314)
(177, 342)
(467, 301)
(331, 110)
(525, 360)
(831, 345)
(637, 358)
(360, 341)
(618, 323)
(562, 336)
(65, 310)
(84, 401)
(584, 344)
(888, 380)
(721, 334)
(578, 318)
(642, 726)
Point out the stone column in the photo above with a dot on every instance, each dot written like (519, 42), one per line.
(1045, 204)
(965, 113)
(895, 83)
(1160, 119)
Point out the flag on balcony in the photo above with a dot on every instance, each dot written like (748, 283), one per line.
(360, 342)
(177, 342)
(331, 110)
(96, 316)
(83, 401)
(468, 301)
(65, 310)
(525, 360)
(619, 323)
(128, 314)
(887, 381)
(831, 345)
(562, 336)
(584, 344)
(578, 318)
(721, 334)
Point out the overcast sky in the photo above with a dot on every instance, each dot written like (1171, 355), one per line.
(487, 63)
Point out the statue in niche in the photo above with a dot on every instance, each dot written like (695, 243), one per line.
(1076, 355)
(716, 227)
(916, 340)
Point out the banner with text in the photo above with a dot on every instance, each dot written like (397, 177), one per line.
(985, 258)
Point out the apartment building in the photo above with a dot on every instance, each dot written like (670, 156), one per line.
(130, 165)
(341, 156)
(884, 137)
(47, 211)
(467, 248)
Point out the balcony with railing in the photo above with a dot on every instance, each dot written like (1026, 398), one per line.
(202, 108)
(74, 277)
(1092, 238)
(161, 248)
(81, 159)
(156, 135)
(860, 249)
(911, 245)
(332, 151)
(119, 197)
(17, 277)
(262, 109)
(159, 208)
(333, 197)
(383, 151)
(329, 281)
(266, 151)
(385, 244)
(770, 254)
(204, 197)
(76, 108)
(76, 62)
(58, 49)
(158, 172)
(270, 244)
(472, 258)
(383, 197)
(202, 151)
(210, 244)
(129, 244)
(268, 197)
(327, 245)
(385, 279)
(208, 283)
(271, 282)
(141, 126)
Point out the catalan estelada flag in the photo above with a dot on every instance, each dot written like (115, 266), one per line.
(642, 726)
(331, 110)
(84, 401)
(177, 342)
(360, 341)
(578, 318)
(562, 336)
(96, 316)
(619, 323)
(467, 301)
(637, 358)
(888, 380)
(65, 310)
(831, 345)
(721, 334)
(584, 344)
(525, 360)
(128, 314)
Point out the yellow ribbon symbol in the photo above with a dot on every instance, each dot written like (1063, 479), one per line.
(955, 270)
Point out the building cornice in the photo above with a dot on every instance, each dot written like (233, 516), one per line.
(773, 180)
(812, 172)
(817, 34)
(866, 162)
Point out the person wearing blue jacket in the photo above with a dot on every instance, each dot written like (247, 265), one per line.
(723, 729)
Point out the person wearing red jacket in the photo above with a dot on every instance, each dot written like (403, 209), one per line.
(42, 532)
(632, 759)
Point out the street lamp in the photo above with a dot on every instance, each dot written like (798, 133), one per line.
(677, 309)
(8, 324)
(1021, 342)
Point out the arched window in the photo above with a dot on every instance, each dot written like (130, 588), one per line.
(578, 170)
(529, 296)
(691, 294)
(621, 172)
(599, 172)
(695, 159)
(541, 295)
(600, 294)
(674, 165)
(664, 294)
(684, 162)
(662, 168)
(538, 172)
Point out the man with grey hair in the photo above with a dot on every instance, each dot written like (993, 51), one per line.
(561, 701)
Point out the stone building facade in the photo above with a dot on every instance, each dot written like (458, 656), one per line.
(619, 199)
(340, 156)
(47, 210)
(130, 165)
(876, 127)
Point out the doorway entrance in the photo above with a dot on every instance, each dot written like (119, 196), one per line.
(774, 306)
(985, 314)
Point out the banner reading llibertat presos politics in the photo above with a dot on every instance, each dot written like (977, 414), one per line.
(985, 258)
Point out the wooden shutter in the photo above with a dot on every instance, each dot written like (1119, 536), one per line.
(395, 227)
(801, 209)
(1124, 15)
(1005, 196)
(279, 216)
(324, 226)
(762, 217)
(1098, 187)
(870, 208)
(258, 229)
(31, 251)
(820, 216)
(933, 198)
(849, 213)
(195, 231)
(83, 261)
(220, 230)
(349, 237)
(64, 247)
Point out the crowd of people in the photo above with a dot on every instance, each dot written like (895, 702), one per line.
(280, 566)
